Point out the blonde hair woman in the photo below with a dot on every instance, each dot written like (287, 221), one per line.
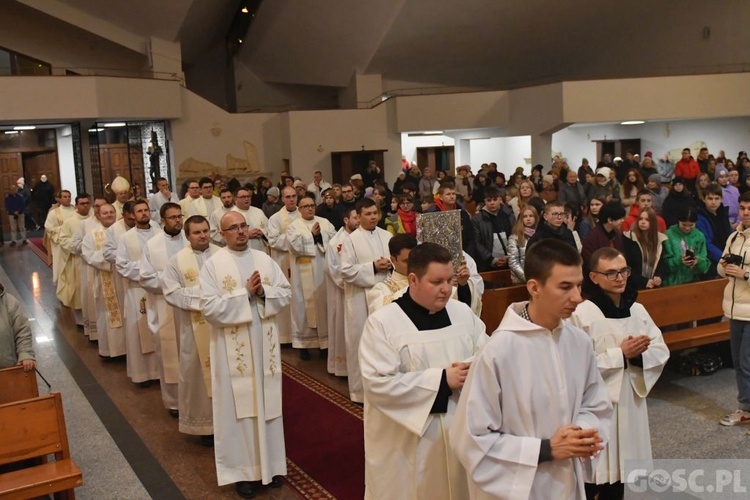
(523, 230)
(526, 191)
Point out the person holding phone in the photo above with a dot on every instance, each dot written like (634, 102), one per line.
(685, 250)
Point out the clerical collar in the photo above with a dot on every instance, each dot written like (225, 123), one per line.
(421, 316)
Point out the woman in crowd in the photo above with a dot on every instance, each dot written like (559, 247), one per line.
(480, 183)
(549, 189)
(745, 186)
(701, 183)
(677, 201)
(524, 229)
(630, 187)
(606, 233)
(526, 191)
(588, 222)
(327, 209)
(405, 219)
(536, 177)
(644, 247)
(685, 250)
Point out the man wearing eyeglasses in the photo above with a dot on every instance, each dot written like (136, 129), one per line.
(192, 195)
(553, 226)
(207, 202)
(308, 236)
(162, 196)
(631, 355)
(255, 218)
(160, 315)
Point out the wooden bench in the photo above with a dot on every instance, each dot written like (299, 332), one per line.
(17, 385)
(497, 279)
(30, 429)
(668, 306)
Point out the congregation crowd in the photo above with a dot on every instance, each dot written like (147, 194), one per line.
(199, 291)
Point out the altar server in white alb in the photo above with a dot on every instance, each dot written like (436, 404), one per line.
(631, 355)
(182, 290)
(69, 281)
(243, 291)
(160, 315)
(87, 282)
(335, 295)
(142, 364)
(159, 198)
(255, 218)
(534, 409)
(308, 238)
(414, 355)
(364, 262)
(192, 195)
(276, 234)
(108, 311)
(227, 204)
(207, 202)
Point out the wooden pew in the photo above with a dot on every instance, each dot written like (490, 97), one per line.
(668, 306)
(497, 279)
(16, 385)
(30, 429)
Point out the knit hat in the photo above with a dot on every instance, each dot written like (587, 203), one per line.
(274, 191)
(678, 180)
(654, 178)
(605, 171)
(355, 177)
(649, 154)
(298, 184)
(617, 158)
(720, 170)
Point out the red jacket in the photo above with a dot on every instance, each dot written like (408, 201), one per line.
(633, 217)
(688, 170)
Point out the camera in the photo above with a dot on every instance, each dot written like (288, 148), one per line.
(735, 259)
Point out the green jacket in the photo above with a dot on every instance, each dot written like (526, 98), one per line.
(679, 273)
(15, 333)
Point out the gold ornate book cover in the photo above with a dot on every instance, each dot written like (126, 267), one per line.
(443, 228)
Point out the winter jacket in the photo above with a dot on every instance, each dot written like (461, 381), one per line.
(634, 257)
(666, 171)
(544, 231)
(679, 273)
(731, 200)
(687, 169)
(736, 301)
(484, 234)
(673, 204)
(15, 333)
(572, 195)
(517, 258)
(716, 230)
(599, 238)
(632, 218)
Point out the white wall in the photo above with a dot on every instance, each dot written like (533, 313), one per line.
(730, 134)
(65, 160)
(409, 145)
(507, 152)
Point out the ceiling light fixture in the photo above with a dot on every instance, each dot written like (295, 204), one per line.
(633, 122)
(24, 127)
(11, 132)
(115, 124)
(433, 132)
(244, 10)
(95, 130)
(239, 40)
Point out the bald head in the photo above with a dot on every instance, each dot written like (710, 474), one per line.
(234, 230)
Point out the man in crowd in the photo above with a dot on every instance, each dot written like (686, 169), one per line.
(347, 201)
(182, 290)
(688, 169)
(142, 363)
(255, 218)
(534, 407)
(658, 192)
(227, 204)
(243, 291)
(713, 222)
(553, 227)
(427, 183)
(15, 207)
(317, 186)
(160, 315)
(69, 281)
(52, 225)
(364, 262)
(492, 228)
(207, 202)
(412, 400)
(308, 237)
(643, 200)
(121, 187)
(193, 194)
(277, 240)
(335, 295)
(162, 196)
(631, 355)
(108, 314)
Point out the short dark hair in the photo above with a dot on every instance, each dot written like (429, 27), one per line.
(64, 191)
(604, 253)
(611, 211)
(168, 205)
(194, 219)
(401, 242)
(685, 149)
(306, 196)
(348, 212)
(713, 189)
(491, 192)
(140, 201)
(543, 255)
(206, 180)
(82, 196)
(643, 192)
(159, 179)
(445, 185)
(225, 190)
(425, 254)
(128, 206)
(688, 214)
(745, 197)
(553, 204)
(365, 203)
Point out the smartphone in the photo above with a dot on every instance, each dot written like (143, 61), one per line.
(689, 254)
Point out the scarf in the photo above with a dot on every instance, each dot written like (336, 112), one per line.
(408, 219)
(529, 231)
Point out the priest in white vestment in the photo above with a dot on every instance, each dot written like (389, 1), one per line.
(255, 218)
(243, 290)
(207, 202)
(364, 262)
(227, 203)
(69, 280)
(631, 354)
(192, 195)
(142, 364)
(162, 196)
(52, 225)
(182, 290)
(534, 410)
(121, 187)
(108, 317)
(308, 238)
(160, 315)
(415, 354)
(335, 295)
(111, 241)
(279, 249)
(87, 281)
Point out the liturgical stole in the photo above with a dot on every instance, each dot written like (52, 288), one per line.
(109, 292)
(133, 245)
(304, 262)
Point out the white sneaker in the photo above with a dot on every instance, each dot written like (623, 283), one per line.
(736, 418)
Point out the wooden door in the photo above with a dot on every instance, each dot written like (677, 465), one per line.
(37, 164)
(344, 164)
(117, 159)
(11, 168)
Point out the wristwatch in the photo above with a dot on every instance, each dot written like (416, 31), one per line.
(747, 275)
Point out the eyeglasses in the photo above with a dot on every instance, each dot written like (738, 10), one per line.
(307, 206)
(243, 196)
(236, 227)
(557, 215)
(174, 217)
(612, 275)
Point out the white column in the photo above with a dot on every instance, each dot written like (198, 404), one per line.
(541, 150)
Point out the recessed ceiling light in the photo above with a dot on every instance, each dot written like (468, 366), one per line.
(115, 124)
(11, 132)
(633, 122)
(24, 127)
(433, 132)
(244, 10)
(95, 130)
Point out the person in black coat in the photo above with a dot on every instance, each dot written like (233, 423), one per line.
(677, 201)
(553, 226)
(494, 218)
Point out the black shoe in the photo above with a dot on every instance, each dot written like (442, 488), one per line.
(323, 354)
(245, 489)
(207, 441)
(304, 355)
(144, 385)
(174, 413)
(25, 242)
(276, 482)
(12, 243)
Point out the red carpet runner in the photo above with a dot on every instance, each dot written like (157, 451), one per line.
(324, 439)
(37, 246)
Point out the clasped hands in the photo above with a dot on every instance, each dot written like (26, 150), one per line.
(456, 374)
(254, 285)
(632, 347)
(572, 441)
